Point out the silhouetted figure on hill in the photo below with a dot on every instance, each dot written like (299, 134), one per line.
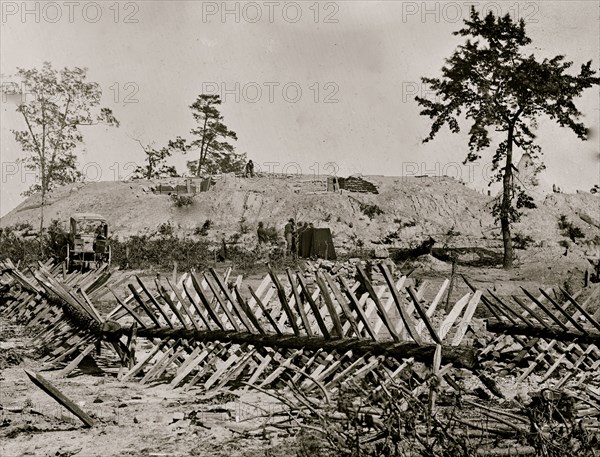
(250, 169)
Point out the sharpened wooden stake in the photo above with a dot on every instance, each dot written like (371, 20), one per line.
(424, 317)
(284, 302)
(380, 308)
(43, 384)
(409, 325)
(298, 303)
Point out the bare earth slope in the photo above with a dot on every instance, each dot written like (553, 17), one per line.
(413, 209)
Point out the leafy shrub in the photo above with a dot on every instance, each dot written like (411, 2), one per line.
(575, 232)
(569, 229)
(18, 248)
(521, 241)
(181, 201)
(17, 244)
(243, 259)
(271, 235)
(165, 229)
(161, 250)
(390, 238)
(370, 210)
(277, 258)
(203, 230)
(158, 249)
(410, 223)
(25, 226)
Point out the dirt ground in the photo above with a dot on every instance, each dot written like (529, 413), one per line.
(131, 419)
(135, 420)
(155, 420)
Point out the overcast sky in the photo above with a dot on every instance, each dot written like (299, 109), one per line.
(307, 83)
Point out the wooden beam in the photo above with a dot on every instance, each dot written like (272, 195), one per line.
(461, 356)
(45, 385)
(554, 332)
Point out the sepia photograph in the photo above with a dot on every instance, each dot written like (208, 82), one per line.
(312, 228)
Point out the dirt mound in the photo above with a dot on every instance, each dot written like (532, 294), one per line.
(404, 212)
(430, 263)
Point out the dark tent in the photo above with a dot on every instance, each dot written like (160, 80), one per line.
(316, 242)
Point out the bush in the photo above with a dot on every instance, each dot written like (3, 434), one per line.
(575, 232)
(160, 249)
(390, 238)
(18, 248)
(203, 230)
(165, 229)
(243, 259)
(569, 229)
(271, 234)
(182, 201)
(17, 245)
(370, 210)
(521, 241)
(410, 223)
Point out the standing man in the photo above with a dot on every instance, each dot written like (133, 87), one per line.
(261, 233)
(288, 232)
(250, 169)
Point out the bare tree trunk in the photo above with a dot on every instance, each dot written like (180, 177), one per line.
(506, 204)
(200, 163)
(200, 160)
(150, 164)
(198, 171)
(41, 235)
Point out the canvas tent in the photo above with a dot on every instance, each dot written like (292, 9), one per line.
(316, 242)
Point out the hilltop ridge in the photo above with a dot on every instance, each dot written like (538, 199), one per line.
(408, 210)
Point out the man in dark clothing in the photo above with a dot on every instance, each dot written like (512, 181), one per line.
(261, 233)
(290, 235)
(250, 169)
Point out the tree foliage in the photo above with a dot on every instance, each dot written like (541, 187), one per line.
(155, 166)
(490, 82)
(211, 136)
(55, 104)
(222, 163)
